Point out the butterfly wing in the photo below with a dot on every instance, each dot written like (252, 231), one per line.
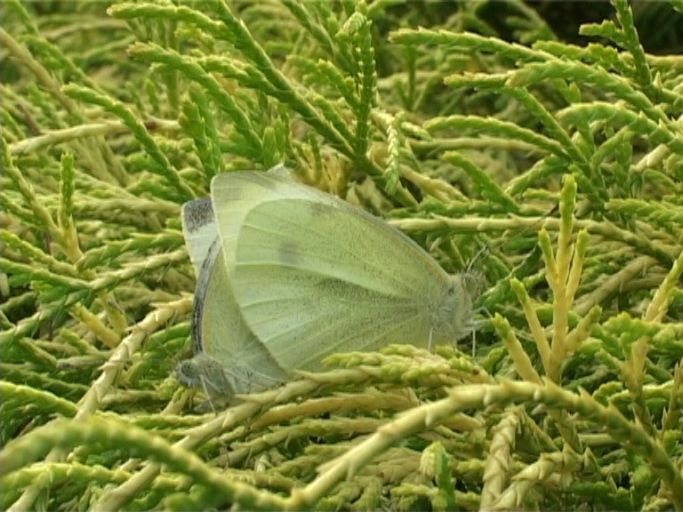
(313, 275)
(220, 332)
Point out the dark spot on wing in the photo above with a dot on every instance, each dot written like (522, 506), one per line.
(288, 252)
(325, 216)
(319, 209)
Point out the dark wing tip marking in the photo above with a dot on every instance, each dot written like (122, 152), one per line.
(197, 213)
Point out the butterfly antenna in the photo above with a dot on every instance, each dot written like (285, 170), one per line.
(484, 248)
(477, 324)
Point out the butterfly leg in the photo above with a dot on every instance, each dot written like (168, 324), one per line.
(478, 324)
(208, 395)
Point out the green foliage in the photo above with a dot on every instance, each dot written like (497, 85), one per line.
(484, 129)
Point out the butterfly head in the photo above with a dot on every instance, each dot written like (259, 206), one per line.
(452, 314)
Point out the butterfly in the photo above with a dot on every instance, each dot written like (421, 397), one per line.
(288, 275)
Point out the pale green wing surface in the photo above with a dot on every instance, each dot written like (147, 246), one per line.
(302, 317)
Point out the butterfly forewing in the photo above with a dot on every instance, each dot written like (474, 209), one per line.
(313, 275)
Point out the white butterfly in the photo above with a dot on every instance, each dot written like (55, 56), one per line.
(289, 274)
